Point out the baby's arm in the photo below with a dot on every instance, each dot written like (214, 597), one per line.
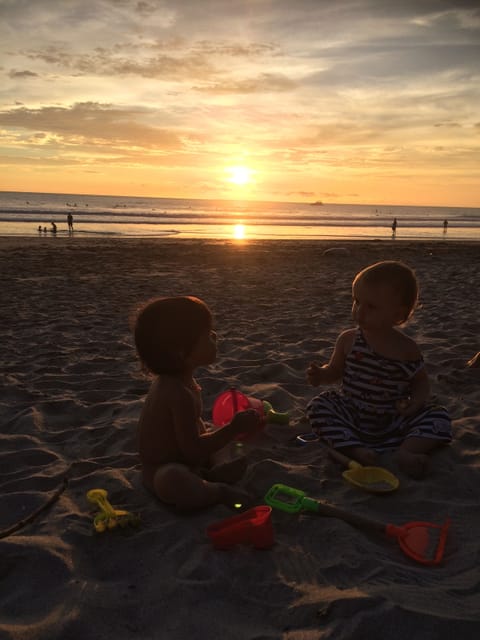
(419, 394)
(197, 447)
(333, 371)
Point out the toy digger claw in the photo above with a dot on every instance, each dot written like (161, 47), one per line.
(108, 517)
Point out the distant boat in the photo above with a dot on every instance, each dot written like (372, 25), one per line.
(318, 203)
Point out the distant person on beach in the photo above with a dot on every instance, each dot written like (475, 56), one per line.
(70, 222)
(383, 403)
(394, 226)
(181, 456)
(445, 226)
(54, 228)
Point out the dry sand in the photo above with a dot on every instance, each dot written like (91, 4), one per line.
(71, 395)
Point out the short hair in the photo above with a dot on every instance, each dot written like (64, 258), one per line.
(396, 274)
(167, 329)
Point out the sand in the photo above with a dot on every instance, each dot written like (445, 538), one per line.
(71, 396)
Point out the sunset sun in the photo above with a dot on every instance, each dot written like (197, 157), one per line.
(239, 175)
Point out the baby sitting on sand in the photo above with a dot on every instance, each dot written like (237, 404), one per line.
(383, 402)
(180, 456)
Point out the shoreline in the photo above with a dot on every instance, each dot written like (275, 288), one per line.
(6, 240)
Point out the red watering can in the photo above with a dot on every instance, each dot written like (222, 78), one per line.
(232, 401)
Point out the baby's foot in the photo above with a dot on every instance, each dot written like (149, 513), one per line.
(364, 456)
(235, 498)
(414, 465)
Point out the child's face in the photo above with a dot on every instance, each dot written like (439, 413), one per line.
(205, 351)
(376, 307)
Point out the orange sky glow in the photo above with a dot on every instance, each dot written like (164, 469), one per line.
(344, 102)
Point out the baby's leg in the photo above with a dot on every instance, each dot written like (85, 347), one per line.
(429, 429)
(366, 457)
(412, 458)
(228, 465)
(177, 485)
(332, 418)
(229, 472)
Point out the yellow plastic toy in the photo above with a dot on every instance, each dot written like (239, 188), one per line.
(108, 517)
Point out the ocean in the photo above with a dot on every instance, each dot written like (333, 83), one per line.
(27, 214)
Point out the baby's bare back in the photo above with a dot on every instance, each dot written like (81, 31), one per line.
(167, 406)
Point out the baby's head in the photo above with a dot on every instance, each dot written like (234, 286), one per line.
(393, 285)
(167, 330)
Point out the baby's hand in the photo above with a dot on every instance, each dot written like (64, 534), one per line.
(405, 406)
(246, 421)
(314, 374)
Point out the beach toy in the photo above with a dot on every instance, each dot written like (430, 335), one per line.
(424, 542)
(108, 517)
(232, 401)
(373, 479)
(307, 438)
(253, 527)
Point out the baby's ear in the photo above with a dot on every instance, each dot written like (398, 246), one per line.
(171, 361)
(402, 315)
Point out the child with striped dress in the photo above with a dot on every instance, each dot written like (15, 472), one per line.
(383, 402)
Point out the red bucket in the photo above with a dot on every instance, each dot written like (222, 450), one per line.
(253, 527)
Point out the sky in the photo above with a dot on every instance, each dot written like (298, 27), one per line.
(355, 101)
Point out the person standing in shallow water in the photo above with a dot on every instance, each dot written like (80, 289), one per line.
(394, 227)
(70, 222)
(445, 226)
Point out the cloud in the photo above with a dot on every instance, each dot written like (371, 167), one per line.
(300, 194)
(108, 62)
(82, 122)
(145, 9)
(236, 49)
(264, 83)
(22, 74)
(168, 60)
(447, 124)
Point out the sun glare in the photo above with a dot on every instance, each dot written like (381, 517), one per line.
(239, 175)
(239, 232)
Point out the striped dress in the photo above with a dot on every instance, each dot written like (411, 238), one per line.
(363, 412)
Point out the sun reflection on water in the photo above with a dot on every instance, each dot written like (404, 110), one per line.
(239, 232)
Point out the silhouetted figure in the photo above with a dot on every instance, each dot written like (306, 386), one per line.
(70, 222)
(39, 228)
(54, 228)
(445, 226)
(394, 227)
